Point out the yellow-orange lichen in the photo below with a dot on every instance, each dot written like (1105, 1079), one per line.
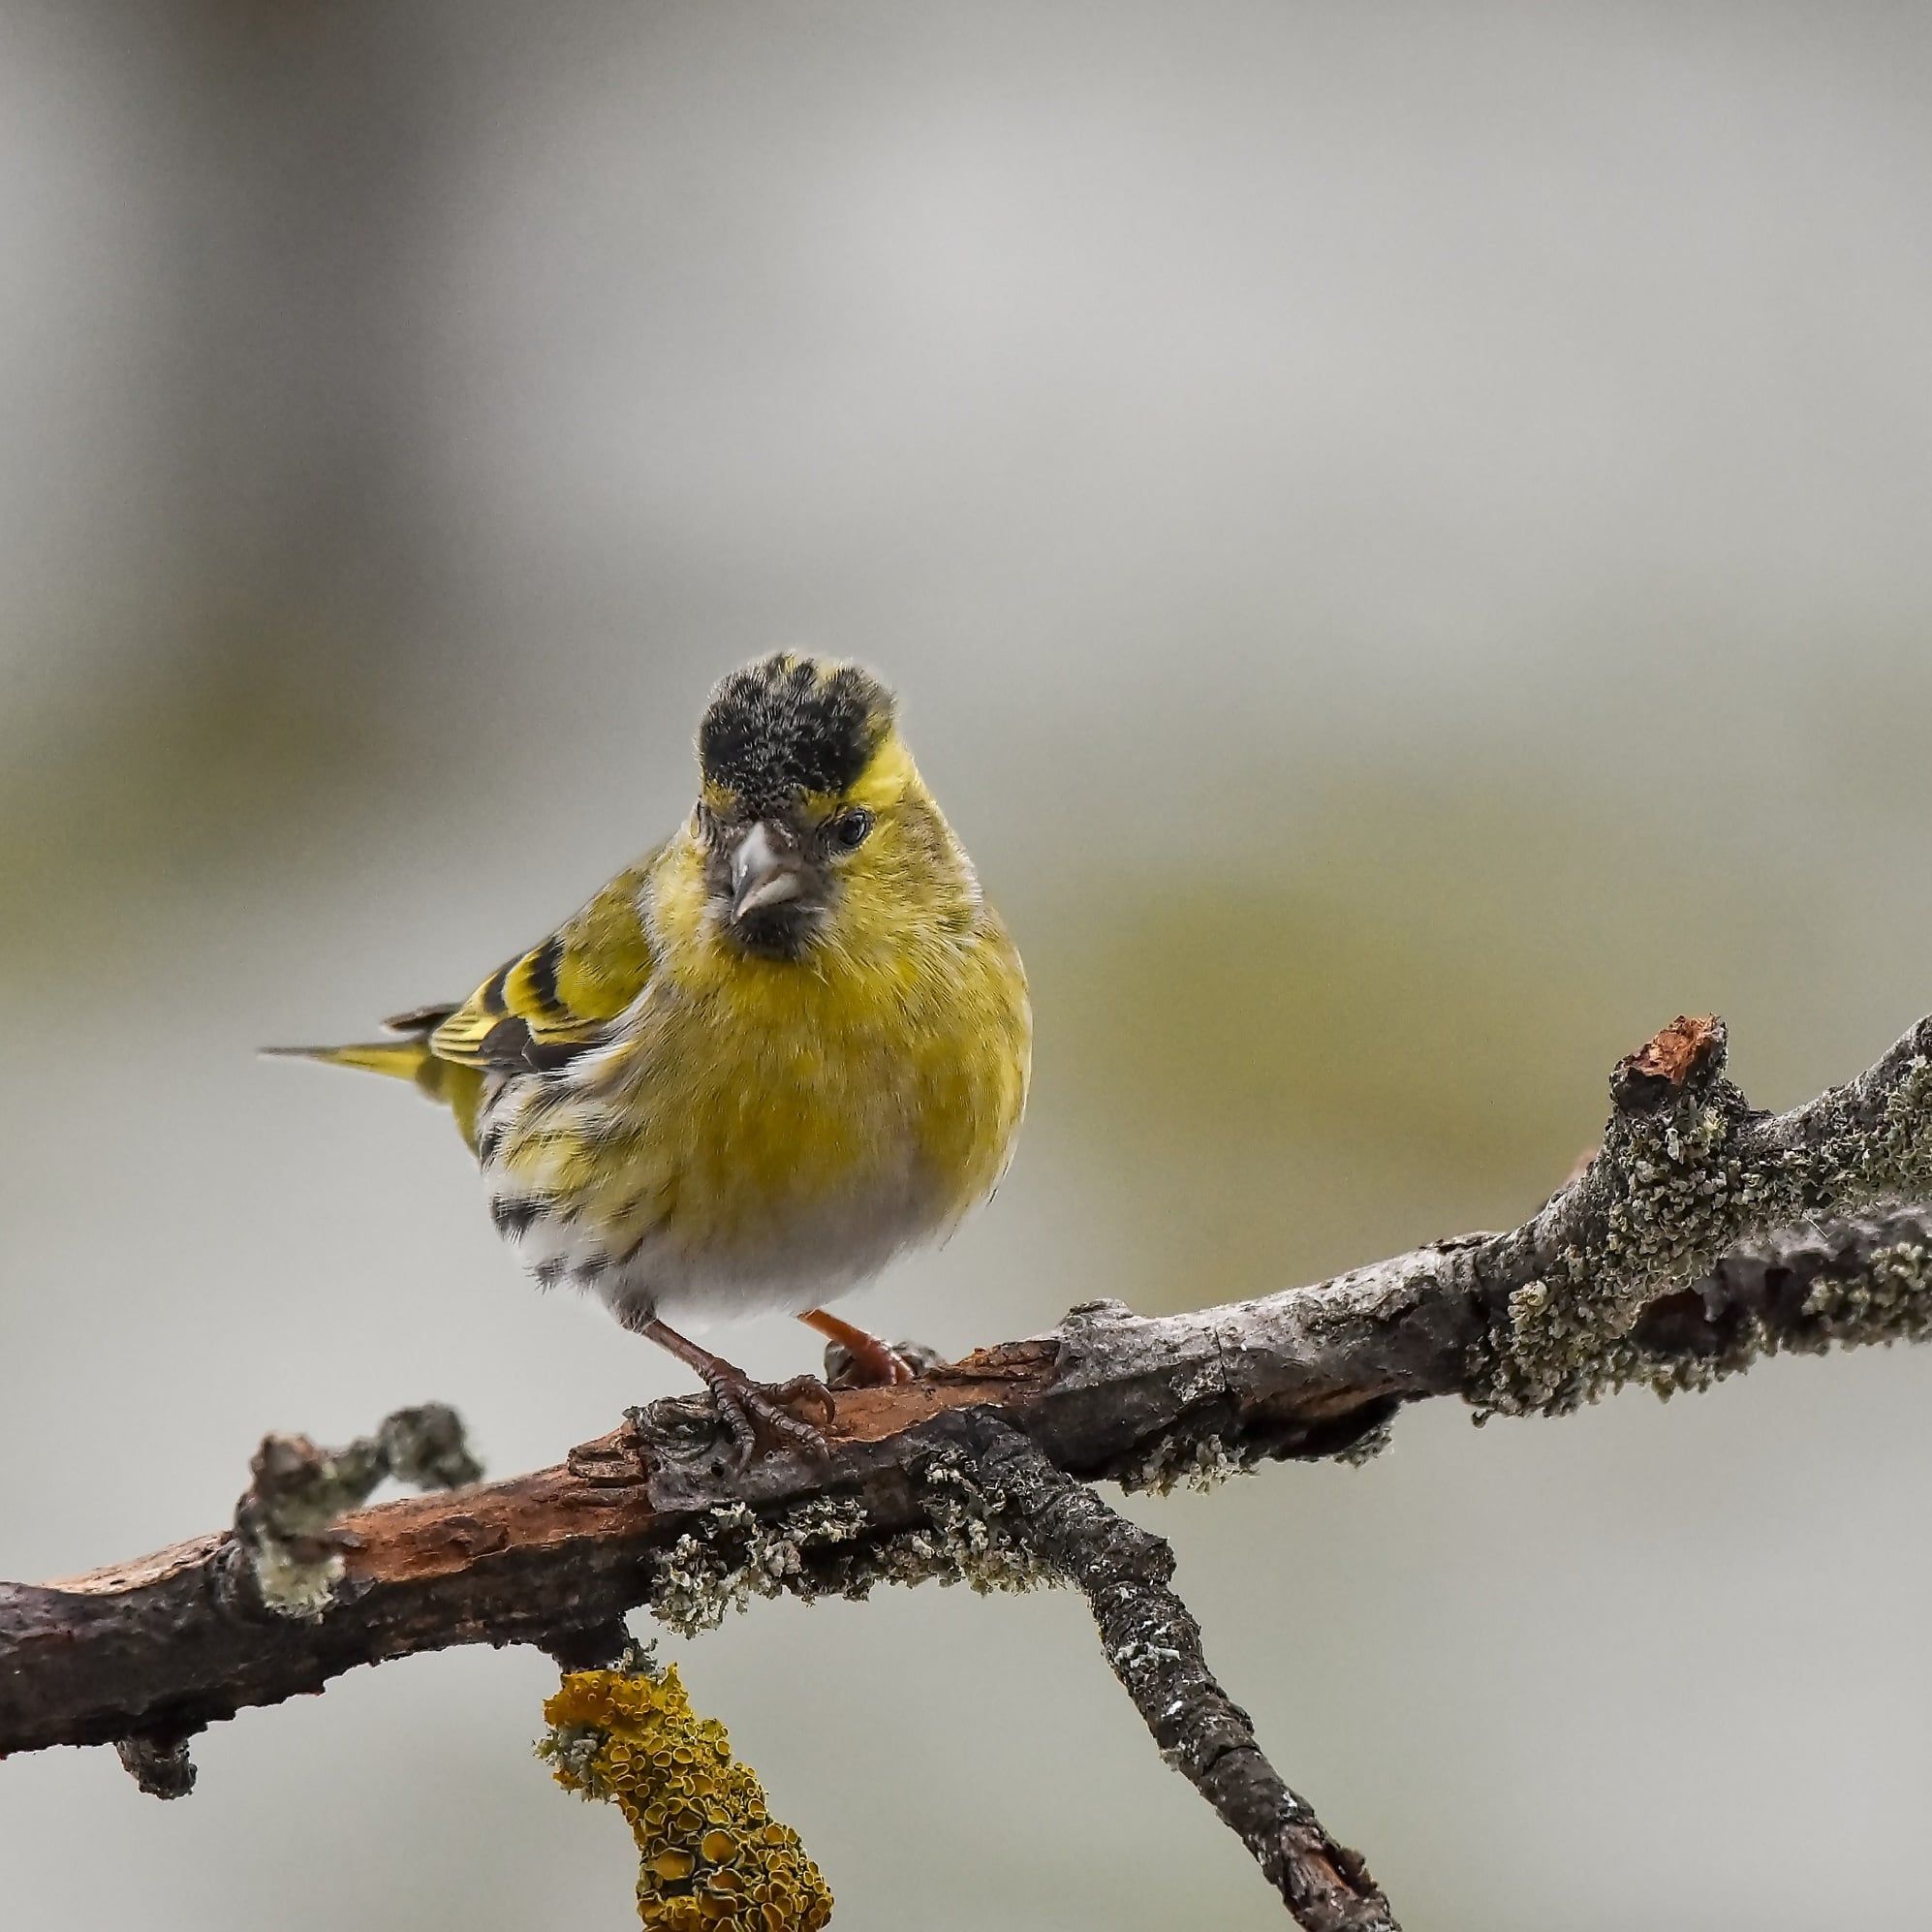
(711, 1858)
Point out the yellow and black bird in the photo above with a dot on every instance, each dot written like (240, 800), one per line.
(788, 1043)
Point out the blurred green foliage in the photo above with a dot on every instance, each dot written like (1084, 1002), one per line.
(1393, 1023)
(138, 792)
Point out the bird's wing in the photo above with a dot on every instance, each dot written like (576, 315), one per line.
(547, 1003)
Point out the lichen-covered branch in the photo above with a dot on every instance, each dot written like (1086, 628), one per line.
(285, 1553)
(284, 1525)
(1703, 1236)
(710, 1856)
(1688, 1170)
(1153, 1645)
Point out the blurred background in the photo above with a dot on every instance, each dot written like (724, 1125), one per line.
(1402, 534)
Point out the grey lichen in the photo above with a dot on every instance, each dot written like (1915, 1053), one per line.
(572, 1749)
(973, 1539)
(828, 1548)
(1890, 1157)
(1862, 1300)
(284, 1521)
(1660, 1203)
(297, 1586)
(739, 1554)
(1185, 1461)
(1889, 1299)
(1858, 1299)
(1670, 1193)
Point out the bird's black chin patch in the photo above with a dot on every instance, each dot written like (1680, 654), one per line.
(775, 932)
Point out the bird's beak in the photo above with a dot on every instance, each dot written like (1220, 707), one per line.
(767, 870)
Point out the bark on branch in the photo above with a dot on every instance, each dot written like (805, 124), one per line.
(1153, 1646)
(1703, 1236)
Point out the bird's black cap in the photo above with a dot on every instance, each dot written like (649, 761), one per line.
(790, 723)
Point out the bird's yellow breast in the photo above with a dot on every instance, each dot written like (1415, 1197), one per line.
(761, 1118)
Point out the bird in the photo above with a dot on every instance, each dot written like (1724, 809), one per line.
(786, 1045)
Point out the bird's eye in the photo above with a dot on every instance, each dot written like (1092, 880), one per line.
(849, 829)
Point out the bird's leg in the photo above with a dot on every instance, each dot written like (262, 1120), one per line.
(873, 1362)
(757, 1414)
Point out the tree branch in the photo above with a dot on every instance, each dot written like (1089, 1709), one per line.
(1703, 1236)
(1153, 1645)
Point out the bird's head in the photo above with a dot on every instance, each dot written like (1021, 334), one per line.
(812, 828)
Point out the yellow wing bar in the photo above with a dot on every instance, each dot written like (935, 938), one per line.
(548, 1003)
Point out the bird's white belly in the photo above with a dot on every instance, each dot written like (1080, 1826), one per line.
(811, 1258)
(766, 1263)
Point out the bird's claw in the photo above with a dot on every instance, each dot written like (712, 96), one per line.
(810, 1388)
(758, 1419)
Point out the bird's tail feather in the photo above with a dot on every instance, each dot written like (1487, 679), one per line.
(400, 1059)
(459, 1088)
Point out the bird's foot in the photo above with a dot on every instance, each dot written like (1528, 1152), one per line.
(760, 1417)
(855, 1359)
(756, 1415)
(882, 1365)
